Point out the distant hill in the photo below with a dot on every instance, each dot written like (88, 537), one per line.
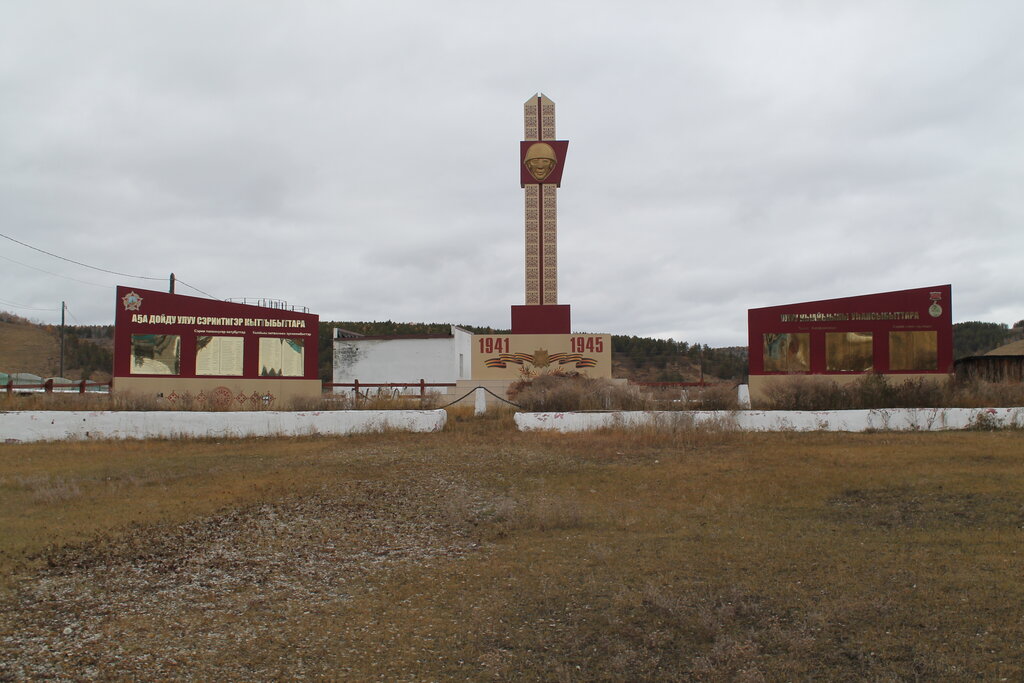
(29, 347)
(645, 359)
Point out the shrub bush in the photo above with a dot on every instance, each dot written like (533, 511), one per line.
(715, 397)
(876, 391)
(569, 392)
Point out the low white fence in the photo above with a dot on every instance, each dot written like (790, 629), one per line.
(57, 425)
(893, 419)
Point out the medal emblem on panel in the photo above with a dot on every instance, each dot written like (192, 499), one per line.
(935, 310)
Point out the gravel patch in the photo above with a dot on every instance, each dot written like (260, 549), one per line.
(237, 595)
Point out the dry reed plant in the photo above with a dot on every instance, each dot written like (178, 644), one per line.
(565, 393)
(981, 394)
(479, 553)
(877, 391)
(395, 400)
(561, 393)
(714, 397)
(54, 401)
(710, 397)
(463, 420)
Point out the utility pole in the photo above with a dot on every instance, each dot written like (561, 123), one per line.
(63, 307)
(702, 365)
(171, 290)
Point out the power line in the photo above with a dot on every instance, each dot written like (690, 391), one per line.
(79, 263)
(86, 265)
(91, 284)
(27, 308)
(68, 310)
(182, 282)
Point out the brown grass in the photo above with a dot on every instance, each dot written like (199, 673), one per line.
(25, 347)
(479, 553)
(559, 392)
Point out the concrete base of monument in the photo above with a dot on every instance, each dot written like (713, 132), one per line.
(895, 419)
(59, 425)
(221, 393)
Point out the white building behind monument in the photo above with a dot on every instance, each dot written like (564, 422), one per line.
(406, 359)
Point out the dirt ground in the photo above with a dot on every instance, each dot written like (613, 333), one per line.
(483, 554)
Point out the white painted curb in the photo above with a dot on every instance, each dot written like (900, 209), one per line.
(57, 425)
(895, 419)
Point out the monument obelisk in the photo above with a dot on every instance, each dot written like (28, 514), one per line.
(541, 161)
(541, 341)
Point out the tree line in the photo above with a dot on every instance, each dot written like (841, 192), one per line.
(976, 338)
(667, 359)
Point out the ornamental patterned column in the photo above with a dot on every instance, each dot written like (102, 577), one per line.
(542, 159)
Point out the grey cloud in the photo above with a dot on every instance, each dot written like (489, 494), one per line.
(362, 158)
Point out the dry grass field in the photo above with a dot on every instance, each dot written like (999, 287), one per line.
(480, 553)
(28, 348)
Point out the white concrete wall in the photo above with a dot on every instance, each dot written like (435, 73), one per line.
(58, 425)
(896, 419)
(393, 360)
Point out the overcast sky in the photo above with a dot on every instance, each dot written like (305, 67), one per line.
(361, 158)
